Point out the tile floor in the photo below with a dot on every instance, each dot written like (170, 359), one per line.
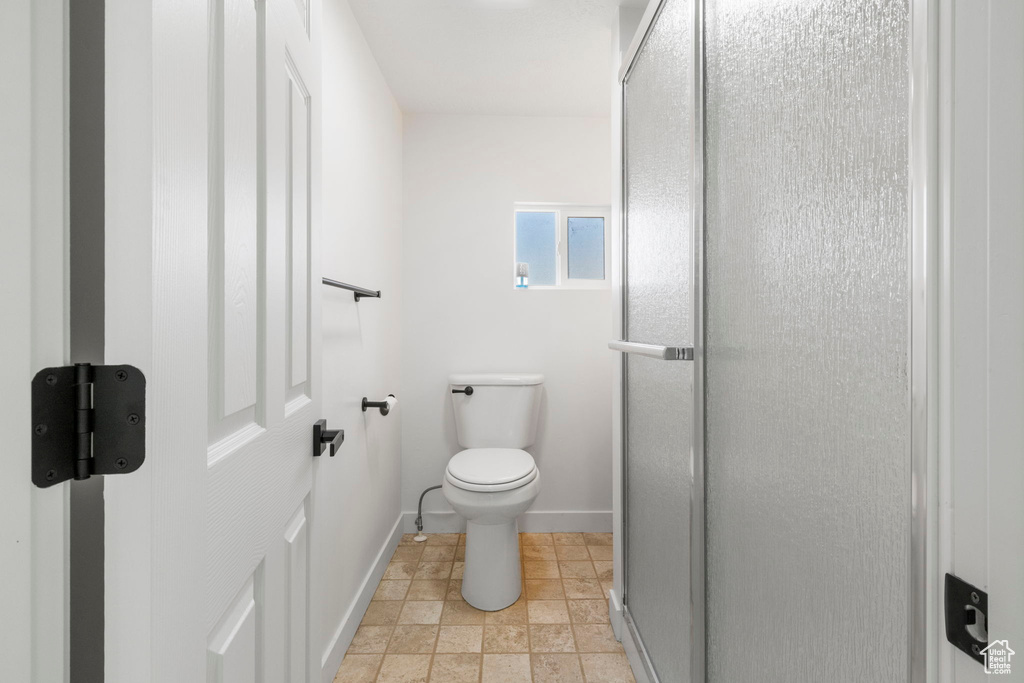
(418, 628)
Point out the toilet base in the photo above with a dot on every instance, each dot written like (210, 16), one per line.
(492, 580)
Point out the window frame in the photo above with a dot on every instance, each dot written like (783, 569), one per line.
(563, 212)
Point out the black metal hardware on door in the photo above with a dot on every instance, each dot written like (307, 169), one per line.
(86, 420)
(324, 438)
(966, 617)
(468, 391)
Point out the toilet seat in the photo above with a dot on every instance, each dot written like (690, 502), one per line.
(491, 469)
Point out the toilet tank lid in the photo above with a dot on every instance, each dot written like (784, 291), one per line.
(498, 379)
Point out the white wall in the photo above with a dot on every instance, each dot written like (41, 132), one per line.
(460, 312)
(356, 495)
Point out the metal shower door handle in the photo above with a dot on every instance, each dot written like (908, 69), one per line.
(653, 350)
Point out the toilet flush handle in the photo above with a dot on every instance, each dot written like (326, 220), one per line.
(468, 391)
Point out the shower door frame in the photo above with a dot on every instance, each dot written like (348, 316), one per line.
(696, 493)
(925, 48)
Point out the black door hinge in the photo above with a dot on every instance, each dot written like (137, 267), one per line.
(86, 420)
(966, 617)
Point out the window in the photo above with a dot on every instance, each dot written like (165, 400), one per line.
(565, 246)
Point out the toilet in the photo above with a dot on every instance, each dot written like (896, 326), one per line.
(493, 480)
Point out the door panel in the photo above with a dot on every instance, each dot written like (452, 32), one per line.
(658, 133)
(296, 540)
(298, 232)
(232, 655)
(236, 250)
(807, 393)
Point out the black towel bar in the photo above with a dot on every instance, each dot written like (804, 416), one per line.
(359, 292)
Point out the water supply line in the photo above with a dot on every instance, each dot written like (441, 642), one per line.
(420, 537)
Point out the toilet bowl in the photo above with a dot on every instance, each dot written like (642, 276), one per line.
(491, 578)
(493, 480)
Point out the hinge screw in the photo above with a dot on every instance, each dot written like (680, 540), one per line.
(975, 598)
(51, 379)
(121, 463)
(120, 375)
(975, 649)
(40, 429)
(50, 474)
(133, 419)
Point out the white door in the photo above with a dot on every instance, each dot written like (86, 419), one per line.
(213, 291)
(33, 335)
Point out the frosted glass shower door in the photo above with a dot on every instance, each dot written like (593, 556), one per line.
(658, 159)
(807, 399)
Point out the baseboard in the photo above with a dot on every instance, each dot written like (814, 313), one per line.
(615, 613)
(335, 652)
(533, 521)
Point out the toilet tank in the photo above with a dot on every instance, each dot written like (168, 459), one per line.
(502, 412)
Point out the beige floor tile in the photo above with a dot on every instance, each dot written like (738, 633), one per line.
(462, 539)
(407, 540)
(607, 668)
(600, 552)
(381, 613)
(457, 570)
(588, 611)
(460, 612)
(454, 591)
(551, 638)
(407, 553)
(506, 639)
(438, 553)
(400, 570)
(413, 639)
(421, 612)
(433, 570)
(442, 539)
(460, 553)
(540, 569)
(577, 570)
(513, 614)
(596, 638)
(605, 570)
(581, 588)
(536, 539)
(404, 669)
(568, 539)
(370, 640)
(433, 589)
(539, 552)
(556, 669)
(547, 612)
(358, 669)
(506, 669)
(544, 589)
(607, 586)
(572, 552)
(460, 639)
(455, 669)
(598, 539)
(391, 590)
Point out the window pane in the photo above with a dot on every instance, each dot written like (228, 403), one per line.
(586, 248)
(535, 244)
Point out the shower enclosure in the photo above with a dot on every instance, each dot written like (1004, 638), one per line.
(773, 224)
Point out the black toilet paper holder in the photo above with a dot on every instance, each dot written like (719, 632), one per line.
(384, 406)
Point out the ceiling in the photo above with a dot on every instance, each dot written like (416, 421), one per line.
(508, 57)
